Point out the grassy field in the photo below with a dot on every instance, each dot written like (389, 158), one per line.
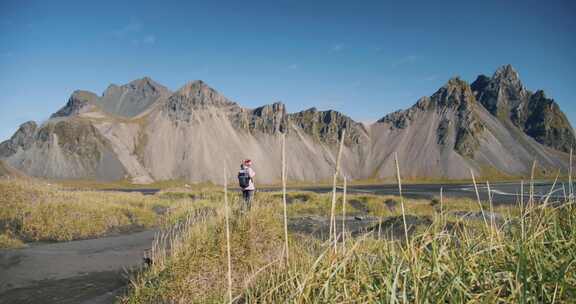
(451, 250)
(31, 211)
(526, 255)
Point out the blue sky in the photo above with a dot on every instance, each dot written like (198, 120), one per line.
(365, 58)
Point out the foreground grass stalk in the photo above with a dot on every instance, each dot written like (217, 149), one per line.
(571, 187)
(521, 194)
(226, 211)
(478, 197)
(399, 180)
(344, 216)
(286, 249)
(333, 236)
(547, 199)
(492, 220)
(490, 200)
(522, 212)
(380, 227)
(410, 250)
(442, 207)
(532, 176)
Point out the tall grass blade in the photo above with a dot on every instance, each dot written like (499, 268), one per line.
(399, 180)
(442, 206)
(571, 187)
(286, 249)
(333, 236)
(491, 201)
(532, 176)
(478, 197)
(344, 216)
(547, 199)
(226, 211)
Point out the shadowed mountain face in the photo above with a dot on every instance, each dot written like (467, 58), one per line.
(8, 172)
(536, 115)
(79, 102)
(131, 99)
(327, 126)
(143, 132)
(455, 106)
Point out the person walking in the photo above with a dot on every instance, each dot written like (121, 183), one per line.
(246, 181)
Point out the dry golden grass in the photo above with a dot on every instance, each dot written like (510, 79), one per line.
(529, 260)
(36, 211)
(8, 241)
(194, 270)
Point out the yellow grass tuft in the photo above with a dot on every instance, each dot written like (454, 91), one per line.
(36, 211)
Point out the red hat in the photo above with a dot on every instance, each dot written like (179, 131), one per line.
(248, 162)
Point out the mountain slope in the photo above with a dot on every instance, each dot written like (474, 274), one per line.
(8, 172)
(144, 132)
(132, 99)
(450, 132)
(79, 102)
(62, 148)
(198, 131)
(537, 116)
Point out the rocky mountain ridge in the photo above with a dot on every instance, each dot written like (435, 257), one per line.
(144, 132)
(539, 117)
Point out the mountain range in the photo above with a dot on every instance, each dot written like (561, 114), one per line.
(144, 132)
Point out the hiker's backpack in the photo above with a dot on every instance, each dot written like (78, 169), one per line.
(244, 178)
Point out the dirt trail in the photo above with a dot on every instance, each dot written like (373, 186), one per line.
(87, 271)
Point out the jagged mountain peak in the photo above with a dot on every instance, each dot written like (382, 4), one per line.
(146, 83)
(80, 101)
(500, 93)
(194, 86)
(329, 114)
(455, 82)
(456, 94)
(29, 125)
(268, 119)
(540, 117)
(506, 73)
(276, 107)
(82, 95)
(536, 115)
(194, 95)
(199, 93)
(540, 94)
(133, 98)
(508, 81)
(143, 80)
(328, 125)
(456, 85)
(23, 138)
(182, 134)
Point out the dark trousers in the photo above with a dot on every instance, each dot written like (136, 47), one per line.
(248, 195)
